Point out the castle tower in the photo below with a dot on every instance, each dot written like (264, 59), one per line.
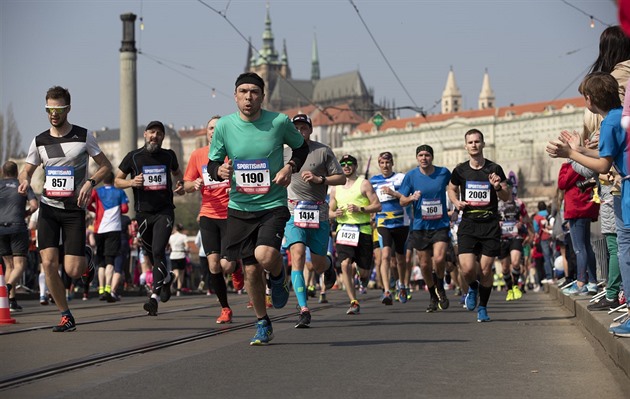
(451, 96)
(486, 97)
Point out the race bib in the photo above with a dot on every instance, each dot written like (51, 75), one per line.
(252, 176)
(477, 193)
(209, 183)
(348, 234)
(431, 209)
(508, 229)
(306, 215)
(382, 196)
(59, 181)
(154, 177)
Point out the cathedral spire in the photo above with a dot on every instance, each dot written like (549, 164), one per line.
(314, 61)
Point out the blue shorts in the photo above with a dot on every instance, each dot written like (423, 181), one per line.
(315, 239)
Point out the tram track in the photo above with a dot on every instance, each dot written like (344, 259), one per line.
(17, 379)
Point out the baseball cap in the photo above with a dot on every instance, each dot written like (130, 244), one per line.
(348, 158)
(302, 118)
(156, 124)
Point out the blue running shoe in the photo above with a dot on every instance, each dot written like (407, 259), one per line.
(402, 295)
(279, 290)
(386, 299)
(622, 330)
(482, 315)
(471, 299)
(264, 334)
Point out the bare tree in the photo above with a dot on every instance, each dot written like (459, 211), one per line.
(10, 140)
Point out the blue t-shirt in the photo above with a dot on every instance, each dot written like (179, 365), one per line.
(392, 215)
(430, 211)
(613, 142)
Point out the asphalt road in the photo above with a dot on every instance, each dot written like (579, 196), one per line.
(533, 348)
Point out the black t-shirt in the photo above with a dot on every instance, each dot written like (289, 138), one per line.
(157, 193)
(475, 188)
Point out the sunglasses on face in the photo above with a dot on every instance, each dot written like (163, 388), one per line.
(56, 109)
(346, 163)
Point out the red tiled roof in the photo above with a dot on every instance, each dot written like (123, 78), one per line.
(499, 112)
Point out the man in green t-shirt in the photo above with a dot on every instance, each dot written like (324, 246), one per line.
(252, 139)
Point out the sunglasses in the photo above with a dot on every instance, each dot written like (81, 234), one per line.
(56, 109)
(346, 163)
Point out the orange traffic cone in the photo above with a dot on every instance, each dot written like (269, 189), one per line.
(5, 314)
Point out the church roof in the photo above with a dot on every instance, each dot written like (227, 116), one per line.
(349, 84)
(288, 91)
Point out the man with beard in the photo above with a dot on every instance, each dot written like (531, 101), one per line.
(151, 167)
(64, 151)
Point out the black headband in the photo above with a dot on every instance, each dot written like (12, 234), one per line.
(255, 80)
(424, 147)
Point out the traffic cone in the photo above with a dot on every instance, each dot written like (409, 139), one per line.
(5, 314)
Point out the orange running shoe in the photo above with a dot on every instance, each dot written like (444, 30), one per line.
(226, 316)
(238, 281)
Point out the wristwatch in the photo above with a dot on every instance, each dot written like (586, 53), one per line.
(362, 209)
(92, 182)
(323, 179)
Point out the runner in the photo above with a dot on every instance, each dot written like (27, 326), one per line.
(309, 225)
(150, 168)
(352, 204)
(425, 187)
(475, 188)
(252, 139)
(392, 224)
(63, 151)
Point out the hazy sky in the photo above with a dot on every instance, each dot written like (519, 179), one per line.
(534, 50)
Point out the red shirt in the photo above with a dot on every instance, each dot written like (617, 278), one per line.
(214, 195)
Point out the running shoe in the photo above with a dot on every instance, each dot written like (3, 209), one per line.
(591, 288)
(622, 330)
(510, 296)
(264, 334)
(165, 292)
(43, 300)
(518, 294)
(110, 298)
(604, 304)
(13, 306)
(66, 324)
(238, 280)
(226, 316)
(322, 298)
(115, 297)
(304, 320)
(330, 277)
(311, 292)
(88, 276)
(386, 299)
(402, 295)
(354, 308)
(482, 315)
(250, 305)
(433, 305)
(471, 299)
(443, 302)
(279, 290)
(151, 306)
(362, 290)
